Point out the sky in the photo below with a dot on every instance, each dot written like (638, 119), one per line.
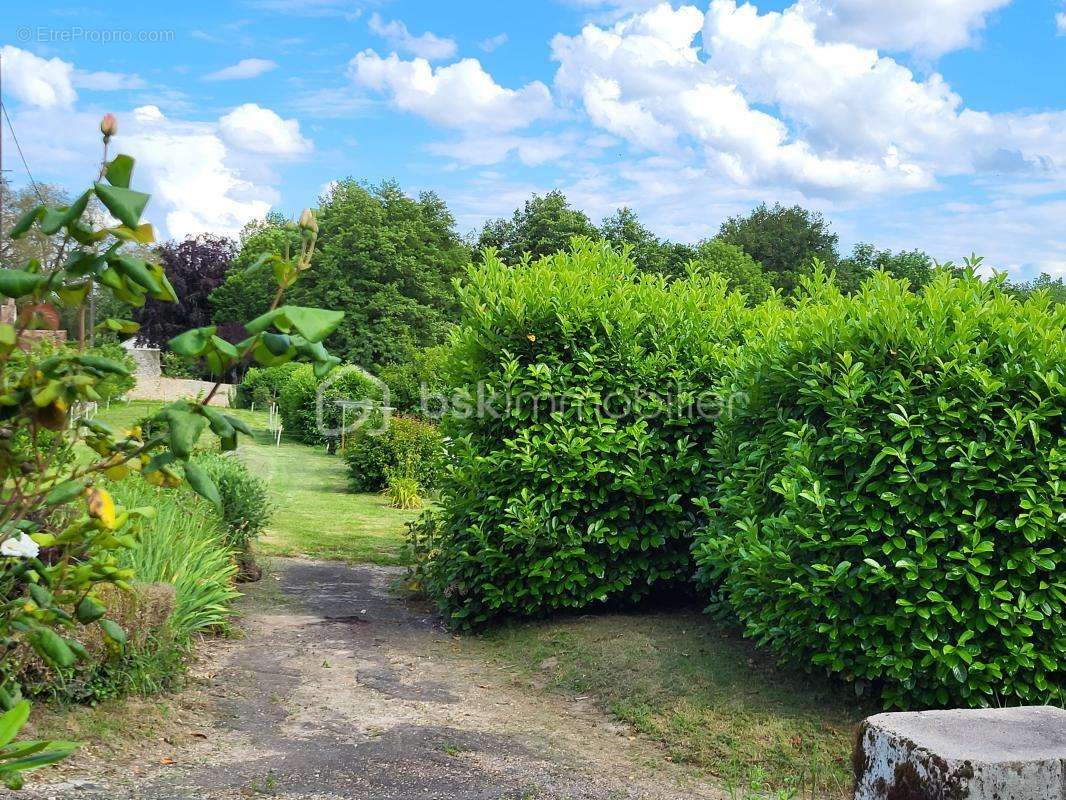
(936, 124)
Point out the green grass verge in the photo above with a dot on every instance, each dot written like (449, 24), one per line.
(699, 689)
(316, 514)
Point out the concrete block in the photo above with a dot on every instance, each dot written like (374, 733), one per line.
(978, 754)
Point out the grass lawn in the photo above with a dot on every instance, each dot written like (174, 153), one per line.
(696, 686)
(316, 515)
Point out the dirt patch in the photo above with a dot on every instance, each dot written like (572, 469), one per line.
(341, 690)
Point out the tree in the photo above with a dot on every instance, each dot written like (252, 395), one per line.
(387, 259)
(195, 267)
(783, 240)
(1055, 288)
(741, 271)
(544, 225)
(648, 251)
(48, 249)
(247, 292)
(915, 266)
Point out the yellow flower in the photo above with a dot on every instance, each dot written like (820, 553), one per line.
(102, 507)
(531, 337)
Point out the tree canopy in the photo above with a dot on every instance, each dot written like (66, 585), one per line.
(195, 268)
(386, 259)
(544, 225)
(915, 266)
(783, 240)
(648, 251)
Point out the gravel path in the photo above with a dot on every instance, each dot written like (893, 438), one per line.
(341, 690)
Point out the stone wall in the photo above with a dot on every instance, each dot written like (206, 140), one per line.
(168, 389)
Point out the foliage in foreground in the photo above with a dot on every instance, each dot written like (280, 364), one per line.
(573, 485)
(891, 500)
(62, 535)
(19, 757)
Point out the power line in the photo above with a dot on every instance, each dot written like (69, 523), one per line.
(18, 147)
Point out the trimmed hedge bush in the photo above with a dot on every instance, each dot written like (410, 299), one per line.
(891, 499)
(590, 500)
(298, 400)
(407, 441)
(246, 506)
(262, 385)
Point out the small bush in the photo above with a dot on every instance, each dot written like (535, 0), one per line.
(576, 485)
(112, 385)
(299, 398)
(262, 385)
(246, 506)
(370, 455)
(890, 499)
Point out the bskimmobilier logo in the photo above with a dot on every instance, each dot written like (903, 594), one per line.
(338, 417)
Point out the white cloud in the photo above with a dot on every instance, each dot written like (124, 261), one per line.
(765, 101)
(460, 95)
(106, 81)
(185, 166)
(204, 176)
(242, 70)
(928, 27)
(493, 42)
(46, 83)
(427, 45)
(260, 130)
(1060, 22)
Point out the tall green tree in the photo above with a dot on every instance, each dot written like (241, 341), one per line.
(783, 240)
(915, 266)
(743, 273)
(648, 251)
(248, 289)
(1055, 288)
(544, 225)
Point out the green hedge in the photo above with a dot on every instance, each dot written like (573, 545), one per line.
(891, 498)
(406, 442)
(262, 385)
(406, 380)
(298, 400)
(246, 506)
(545, 509)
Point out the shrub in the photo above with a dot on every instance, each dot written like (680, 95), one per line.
(406, 380)
(577, 485)
(262, 385)
(890, 500)
(299, 401)
(406, 441)
(117, 384)
(246, 507)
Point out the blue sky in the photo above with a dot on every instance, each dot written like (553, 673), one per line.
(938, 124)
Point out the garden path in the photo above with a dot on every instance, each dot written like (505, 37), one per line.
(339, 689)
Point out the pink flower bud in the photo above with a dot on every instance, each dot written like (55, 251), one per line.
(108, 126)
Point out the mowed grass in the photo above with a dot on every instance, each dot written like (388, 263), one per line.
(699, 689)
(315, 513)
